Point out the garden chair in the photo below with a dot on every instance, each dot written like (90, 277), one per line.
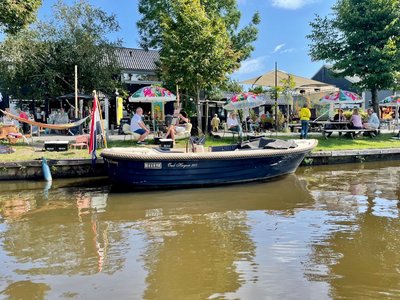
(80, 141)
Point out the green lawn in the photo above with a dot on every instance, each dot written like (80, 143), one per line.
(334, 143)
(26, 152)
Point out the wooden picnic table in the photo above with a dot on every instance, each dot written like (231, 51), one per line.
(342, 127)
(333, 124)
(349, 132)
(294, 126)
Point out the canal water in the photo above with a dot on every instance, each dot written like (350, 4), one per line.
(323, 233)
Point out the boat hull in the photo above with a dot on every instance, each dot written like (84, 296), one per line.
(191, 172)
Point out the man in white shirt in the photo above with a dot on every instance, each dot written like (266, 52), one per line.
(138, 126)
(233, 124)
(373, 120)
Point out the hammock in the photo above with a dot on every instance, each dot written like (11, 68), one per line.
(44, 125)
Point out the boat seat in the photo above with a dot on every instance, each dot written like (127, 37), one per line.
(224, 148)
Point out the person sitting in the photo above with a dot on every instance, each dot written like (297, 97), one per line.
(339, 116)
(233, 124)
(355, 123)
(355, 120)
(215, 123)
(7, 120)
(254, 124)
(138, 126)
(178, 126)
(373, 121)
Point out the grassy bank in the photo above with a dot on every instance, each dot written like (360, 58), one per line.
(26, 152)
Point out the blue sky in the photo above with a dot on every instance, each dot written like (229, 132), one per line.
(284, 25)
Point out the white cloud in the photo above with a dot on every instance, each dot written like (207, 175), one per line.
(289, 50)
(277, 48)
(252, 65)
(291, 4)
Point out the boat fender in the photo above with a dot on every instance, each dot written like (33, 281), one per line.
(46, 170)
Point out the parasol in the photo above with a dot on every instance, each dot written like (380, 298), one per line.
(151, 94)
(341, 97)
(244, 101)
(155, 95)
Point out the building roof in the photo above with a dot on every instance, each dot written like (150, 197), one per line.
(351, 79)
(137, 59)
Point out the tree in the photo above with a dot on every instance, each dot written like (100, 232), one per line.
(154, 11)
(39, 62)
(15, 15)
(196, 49)
(258, 89)
(396, 82)
(230, 86)
(362, 38)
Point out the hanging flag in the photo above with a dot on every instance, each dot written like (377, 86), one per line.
(93, 130)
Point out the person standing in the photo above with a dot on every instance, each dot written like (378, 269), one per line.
(305, 115)
(25, 126)
(138, 126)
(215, 123)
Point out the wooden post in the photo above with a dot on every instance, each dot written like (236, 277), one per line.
(207, 112)
(76, 92)
(177, 95)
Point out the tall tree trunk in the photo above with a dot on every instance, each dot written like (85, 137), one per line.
(374, 99)
(198, 111)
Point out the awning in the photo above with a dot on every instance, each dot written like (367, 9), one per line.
(301, 83)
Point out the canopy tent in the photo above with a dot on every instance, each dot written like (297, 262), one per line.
(301, 83)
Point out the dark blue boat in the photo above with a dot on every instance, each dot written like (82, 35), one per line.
(254, 161)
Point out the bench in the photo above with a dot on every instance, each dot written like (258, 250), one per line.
(5, 130)
(295, 127)
(351, 132)
(80, 141)
(56, 145)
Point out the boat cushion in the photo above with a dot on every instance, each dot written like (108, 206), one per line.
(224, 148)
(280, 144)
(265, 143)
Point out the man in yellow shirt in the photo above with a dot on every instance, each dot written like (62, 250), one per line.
(215, 123)
(305, 115)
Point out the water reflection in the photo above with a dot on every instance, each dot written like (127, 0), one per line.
(324, 233)
(26, 290)
(360, 251)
